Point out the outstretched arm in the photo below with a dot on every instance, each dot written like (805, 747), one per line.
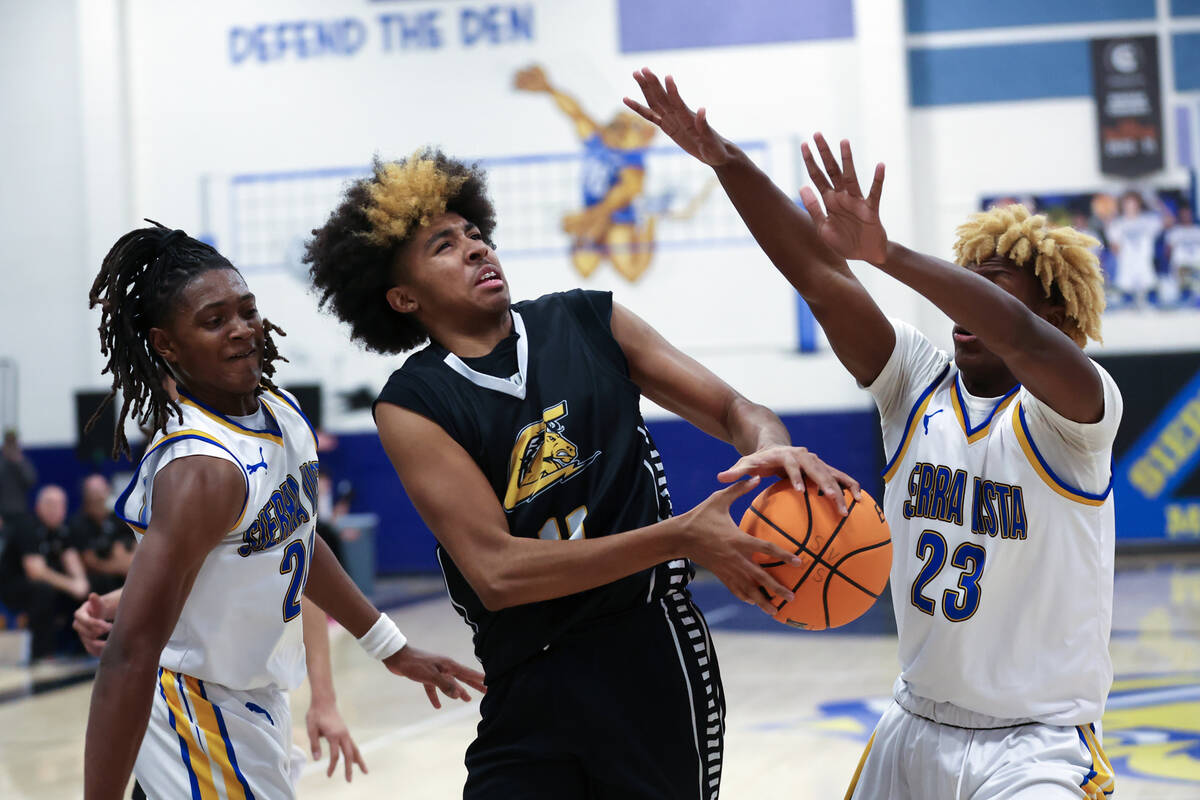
(331, 588)
(533, 79)
(1039, 355)
(680, 384)
(859, 333)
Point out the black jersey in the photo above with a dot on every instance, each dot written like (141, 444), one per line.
(552, 418)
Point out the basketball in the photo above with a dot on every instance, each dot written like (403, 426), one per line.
(845, 560)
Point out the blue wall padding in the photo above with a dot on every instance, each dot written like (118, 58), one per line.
(646, 25)
(999, 73)
(1185, 49)
(928, 16)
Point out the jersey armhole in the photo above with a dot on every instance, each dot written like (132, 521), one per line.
(287, 398)
(155, 453)
(910, 425)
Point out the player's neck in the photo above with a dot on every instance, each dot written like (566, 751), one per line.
(992, 384)
(476, 337)
(227, 403)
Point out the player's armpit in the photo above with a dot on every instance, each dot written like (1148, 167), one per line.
(672, 378)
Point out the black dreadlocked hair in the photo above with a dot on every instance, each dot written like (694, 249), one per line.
(136, 289)
(352, 258)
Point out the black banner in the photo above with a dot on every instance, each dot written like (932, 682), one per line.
(1128, 97)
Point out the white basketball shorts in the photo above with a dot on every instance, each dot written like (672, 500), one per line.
(207, 742)
(911, 757)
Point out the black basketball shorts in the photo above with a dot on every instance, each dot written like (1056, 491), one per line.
(629, 707)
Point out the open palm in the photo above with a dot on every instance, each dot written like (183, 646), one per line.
(689, 129)
(849, 224)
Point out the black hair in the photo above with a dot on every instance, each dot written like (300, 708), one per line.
(352, 263)
(137, 287)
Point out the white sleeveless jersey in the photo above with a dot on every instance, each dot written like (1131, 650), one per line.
(1001, 514)
(240, 626)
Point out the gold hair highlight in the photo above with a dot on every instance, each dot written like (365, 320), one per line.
(406, 195)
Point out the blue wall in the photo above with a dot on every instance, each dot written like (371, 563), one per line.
(927, 16)
(848, 440)
(997, 73)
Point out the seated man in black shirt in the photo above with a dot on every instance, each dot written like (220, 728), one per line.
(105, 543)
(41, 573)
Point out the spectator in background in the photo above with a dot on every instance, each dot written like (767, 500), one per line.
(1183, 251)
(17, 479)
(41, 573)
(331, 505)
(1131, 237)
(105, 542)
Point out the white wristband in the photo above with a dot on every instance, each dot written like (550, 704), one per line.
(383, 640)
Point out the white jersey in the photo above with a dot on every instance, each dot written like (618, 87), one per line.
(240, 626)
(1134, 240)
(1003, 533)
(1184, 242)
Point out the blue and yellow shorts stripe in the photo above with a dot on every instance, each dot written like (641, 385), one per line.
(204, 745)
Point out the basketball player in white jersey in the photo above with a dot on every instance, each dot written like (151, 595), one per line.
(207, 637)
(998, 487)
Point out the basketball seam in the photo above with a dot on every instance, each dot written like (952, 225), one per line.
(818, 558)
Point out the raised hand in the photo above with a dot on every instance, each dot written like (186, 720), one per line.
(436, 672)
(725, 550)
(797, 465)
(689, 129)
(531, 79)
(850, 224)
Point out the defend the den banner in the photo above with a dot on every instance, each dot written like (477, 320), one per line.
(1156, 456)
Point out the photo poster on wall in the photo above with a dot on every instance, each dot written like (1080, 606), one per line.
(1149, 240)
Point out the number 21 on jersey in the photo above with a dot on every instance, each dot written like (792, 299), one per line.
(957, 604)
(295, 561)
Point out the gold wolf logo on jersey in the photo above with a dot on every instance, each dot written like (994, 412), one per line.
(541, 457)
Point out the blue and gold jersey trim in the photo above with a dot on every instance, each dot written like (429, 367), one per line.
(980, 431)
(140, 522)
(910, 426)
(296, 407)
(1021, 428)
(272, 433)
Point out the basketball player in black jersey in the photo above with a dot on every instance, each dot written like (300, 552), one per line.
(518, 436)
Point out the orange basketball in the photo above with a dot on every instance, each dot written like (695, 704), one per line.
(845, 560)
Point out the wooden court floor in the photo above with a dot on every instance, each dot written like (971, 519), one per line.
(801, 705)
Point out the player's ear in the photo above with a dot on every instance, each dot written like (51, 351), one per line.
(402, 300)
(1055, 314)
(161, 341)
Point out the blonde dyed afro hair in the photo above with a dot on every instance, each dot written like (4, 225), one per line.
(1063, 260)
(354, 258)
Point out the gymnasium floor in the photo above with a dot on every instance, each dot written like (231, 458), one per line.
(801, 705)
